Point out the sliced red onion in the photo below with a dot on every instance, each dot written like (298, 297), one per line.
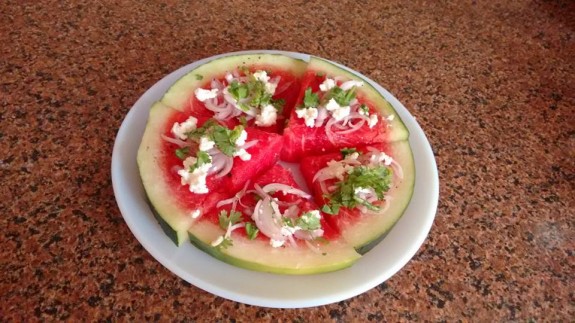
(249, 144)
(322, 115)
(264, 219)
(180, 143)
(308, 235)
(285, 189)
(397, 168)
(228, 164)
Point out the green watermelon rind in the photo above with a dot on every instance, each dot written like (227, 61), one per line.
(174, 219)
(398, 129)
(178, 95)
(258, 255)
(370, 230)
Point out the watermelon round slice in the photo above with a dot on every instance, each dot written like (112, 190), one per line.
(280, 76)
(176, 207)
(301, 139)
(364, 229)
(257, 252)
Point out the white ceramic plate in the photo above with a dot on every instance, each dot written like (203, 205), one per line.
(262, 289)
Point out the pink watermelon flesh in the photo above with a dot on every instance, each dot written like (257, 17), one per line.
(311, 165)
(276, 174)
(301, 140)
(287, 89)
(264, 155)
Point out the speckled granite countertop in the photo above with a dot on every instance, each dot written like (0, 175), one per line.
(491, 83)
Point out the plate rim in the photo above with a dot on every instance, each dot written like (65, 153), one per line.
(172, 260)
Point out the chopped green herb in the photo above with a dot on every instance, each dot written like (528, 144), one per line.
(343, 98)
(201, 131)
(226, 220)
(251, 230)
(183, 152)
(310, 100)
(376, 178)
(202, 158)
(225, 138)
(347, 151)
(227, 242)
(238, 91)
(288, 222)
(243, 121)
(308, 221)
(199, 77)
(364, 109)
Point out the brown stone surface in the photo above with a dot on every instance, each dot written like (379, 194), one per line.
(491, 83)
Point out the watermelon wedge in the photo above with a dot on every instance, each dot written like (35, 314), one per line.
(275, 247)
(258, 90)
(176, 206)
(337, 109)
(360, 226)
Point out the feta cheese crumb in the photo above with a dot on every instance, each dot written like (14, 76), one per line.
(377, 158)
(267, 116)
(195, 214)
(390, 117)
(352, 156)
(372, 120)
(276, 243)
(337, 112)
(287, 231)
(180, 129)
(241, 139)
(206, 144)
(341, 113)
(327, 85)
(229, 77)
(337, 169)
(309, 115)
(203, 94)
(262, 76)
(196, 178)
(243, 154)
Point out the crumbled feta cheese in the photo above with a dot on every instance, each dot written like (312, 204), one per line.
(341, 113)
(372, 120)
(229, 77)
(206, 144)
(309, 115)
(203, 94)
(262, 76)
(197, 178)
(390, 117)
(327, 85)
(287, 231)
(195, 214)
(267, 116)
(363, 112)
(337, 169)
(337, 112)
(180, 129)
(349, 84)
(307, 217)
(241, 139)
(352, 156)
(276, 243)
(243, 154)
(377, 158)
(332, 105)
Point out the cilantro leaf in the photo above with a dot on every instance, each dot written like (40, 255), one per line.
(376, 178)
(343, 98)
(252, 231)
(227, 242)
(363, 108)
(201, 131)
(226, 220)
(238, 90)
(310, 100)
(309, 221)
(225, 138)
(183, 152)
